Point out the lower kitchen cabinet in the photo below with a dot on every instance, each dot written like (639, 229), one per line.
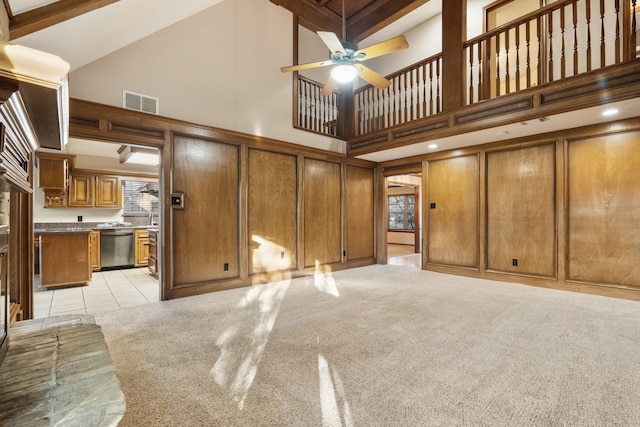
(153, 252)
(94, 247)
(141, 247)
(65, 258)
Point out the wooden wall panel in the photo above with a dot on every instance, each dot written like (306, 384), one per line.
(521, 210)
(205, 233)
(272, 211)
(322, 191)
(359, 213)
(604, 209)
(453, 186)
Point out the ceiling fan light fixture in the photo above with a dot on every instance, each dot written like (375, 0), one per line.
(344, 73)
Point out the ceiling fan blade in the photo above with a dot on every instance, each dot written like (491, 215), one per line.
(332, 41)
(379, 49)
(306, 66)
(329, 86)
(372, 77)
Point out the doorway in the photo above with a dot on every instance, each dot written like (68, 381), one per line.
(403, 227)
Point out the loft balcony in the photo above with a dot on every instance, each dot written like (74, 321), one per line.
(570, 55)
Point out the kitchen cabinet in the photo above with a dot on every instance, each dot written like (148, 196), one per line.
(141, 247)
(153, 252)
(88, 190)
(81, 189)
(64, 257)
(94, 247)
(54, 177)
(108, 191)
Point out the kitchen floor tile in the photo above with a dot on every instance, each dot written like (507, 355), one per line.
(107, 290)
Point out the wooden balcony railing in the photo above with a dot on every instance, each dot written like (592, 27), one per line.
(564, 39)
(314, 112)
(414, 93)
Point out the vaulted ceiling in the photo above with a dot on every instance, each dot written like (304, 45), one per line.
(363, 17)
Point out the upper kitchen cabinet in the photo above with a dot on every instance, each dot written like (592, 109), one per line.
(91, 190)
(81, 190)
(54, 177)
(108, 191)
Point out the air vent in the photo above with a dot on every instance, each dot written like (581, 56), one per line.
(139, 102)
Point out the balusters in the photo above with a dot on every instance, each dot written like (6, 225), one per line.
(617, 36)
(506, 54)
(497, 78)
(633, 30)
(550, 32)
(480, 75)
(562, 46)
(539, 56)
(431, 88)
(438, 85)
(603, 57)
(528, 60)
(588, 16)
(575, 38)
(517, 58)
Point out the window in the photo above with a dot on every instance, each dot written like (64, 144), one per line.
(140, 197)
(402, 212)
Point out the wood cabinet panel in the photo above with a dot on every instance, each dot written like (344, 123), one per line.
(521, 211)
(94, 248)
(322, 190)
(272, 211)
(205, 234)
(359, 212)
(65, 259)
(141, 248)
(452, 208)
(81, 190)
(604, 209)
(53, 171)
(108, 191)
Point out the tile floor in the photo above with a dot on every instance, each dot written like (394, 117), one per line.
(403, 255)
(107, 290)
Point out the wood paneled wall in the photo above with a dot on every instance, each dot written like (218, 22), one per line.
(451, 208)
(604, 209)
(360, 214)
(272, 211)
(559, 210)
(322, 212)
(205, 233)
(521, 208)
(250, 212)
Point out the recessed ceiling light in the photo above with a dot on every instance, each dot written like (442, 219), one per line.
(610, 112)
(432, 146)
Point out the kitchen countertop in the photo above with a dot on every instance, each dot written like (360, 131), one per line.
(62, 230)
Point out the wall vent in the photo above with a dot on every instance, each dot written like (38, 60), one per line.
(139, 102)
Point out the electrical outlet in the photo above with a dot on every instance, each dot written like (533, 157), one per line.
(79, 218)
(226, 266)
(514, 262)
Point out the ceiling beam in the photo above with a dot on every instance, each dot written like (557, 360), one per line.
(51, 14)
(312, 16)
(378, 15)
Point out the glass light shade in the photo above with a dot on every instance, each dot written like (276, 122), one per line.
(344, 73)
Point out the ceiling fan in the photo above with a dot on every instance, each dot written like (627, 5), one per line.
(345, 56)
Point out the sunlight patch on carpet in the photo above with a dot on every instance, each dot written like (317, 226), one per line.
(332, 395)
(323, 280)
(242, 345)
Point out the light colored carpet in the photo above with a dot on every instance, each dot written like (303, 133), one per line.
(379, 346)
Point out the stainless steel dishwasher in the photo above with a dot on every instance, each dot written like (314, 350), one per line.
(117, 248)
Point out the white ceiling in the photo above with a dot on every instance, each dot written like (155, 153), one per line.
(95, 34)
